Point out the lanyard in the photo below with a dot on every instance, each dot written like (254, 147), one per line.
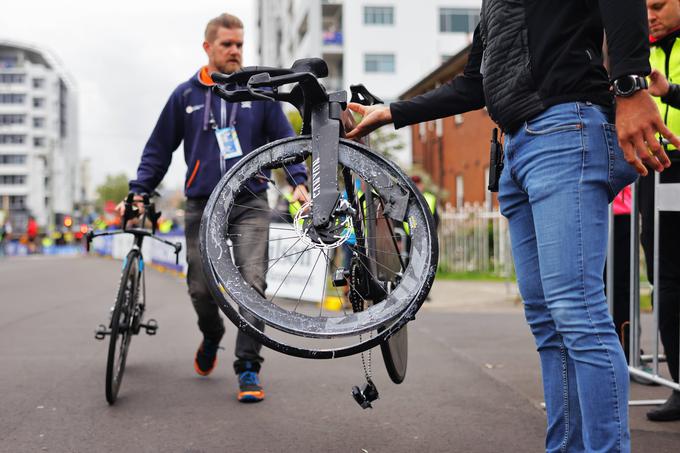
(209, 118)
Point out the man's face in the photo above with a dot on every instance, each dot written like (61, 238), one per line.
(225, 52)
(663, 17)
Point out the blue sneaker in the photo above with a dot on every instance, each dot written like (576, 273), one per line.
(250, 390)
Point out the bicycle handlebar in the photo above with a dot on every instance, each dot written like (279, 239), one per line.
(90, 235)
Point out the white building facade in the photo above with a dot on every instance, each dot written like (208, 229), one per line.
(386, 45)
(38, 136)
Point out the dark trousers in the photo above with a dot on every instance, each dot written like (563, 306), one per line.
(669, 261)
(249, 230)
(621, 237)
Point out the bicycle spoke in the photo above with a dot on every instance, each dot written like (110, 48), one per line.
(289, 271)
(325, 284)
(307, 282)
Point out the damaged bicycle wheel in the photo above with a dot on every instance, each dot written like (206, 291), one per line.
(301, 286)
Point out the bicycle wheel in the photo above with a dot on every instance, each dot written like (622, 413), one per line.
(301, 266)
(384, 248)
(121, 328)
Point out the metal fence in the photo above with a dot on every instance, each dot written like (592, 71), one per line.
(472, 239)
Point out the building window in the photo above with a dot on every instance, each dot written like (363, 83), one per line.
(13, 139)
(379, 63)
(38, 142)
(12, 159)
(13, 179)
(8, 61)
(460, 195)
(12, 98)
(458, 20)
(17, 202)
(378, 15)
(422, 131)
(12, 119)
(38, 102)
(12, 78)
(38, 82)
(38, 122)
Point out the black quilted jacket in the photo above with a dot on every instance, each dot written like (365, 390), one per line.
(528, 55)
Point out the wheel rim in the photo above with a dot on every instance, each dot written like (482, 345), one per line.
(229, 285)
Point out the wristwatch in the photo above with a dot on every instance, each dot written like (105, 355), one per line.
(627, 85)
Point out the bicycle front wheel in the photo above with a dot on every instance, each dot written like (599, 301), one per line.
(121, 325)
(302, 281)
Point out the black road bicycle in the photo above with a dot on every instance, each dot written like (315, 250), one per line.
(358, 200)
(127, 313)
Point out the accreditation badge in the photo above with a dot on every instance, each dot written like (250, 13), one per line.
(227, 139)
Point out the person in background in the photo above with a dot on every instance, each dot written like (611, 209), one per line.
(664, 27)
(216, 135)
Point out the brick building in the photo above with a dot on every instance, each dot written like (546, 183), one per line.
(454, 151)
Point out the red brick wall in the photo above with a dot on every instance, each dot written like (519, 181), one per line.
(463, 149)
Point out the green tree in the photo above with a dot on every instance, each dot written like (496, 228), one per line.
(386, 143)
(114, 188)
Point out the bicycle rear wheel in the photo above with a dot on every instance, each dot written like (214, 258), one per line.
(121, 325)
(302, 266)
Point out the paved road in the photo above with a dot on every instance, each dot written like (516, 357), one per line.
(473, 383)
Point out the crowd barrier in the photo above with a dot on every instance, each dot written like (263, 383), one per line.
(666, 198)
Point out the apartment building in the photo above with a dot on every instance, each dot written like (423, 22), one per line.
(38, 136)
(386, 45)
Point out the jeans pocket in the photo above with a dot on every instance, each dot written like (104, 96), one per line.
(544, 128)
(621, 173)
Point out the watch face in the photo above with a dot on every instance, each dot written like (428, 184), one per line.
(625, 84)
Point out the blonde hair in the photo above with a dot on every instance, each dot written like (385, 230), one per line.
(225, 20)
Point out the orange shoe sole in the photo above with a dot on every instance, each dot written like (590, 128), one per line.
(201, 372)
(251, 397)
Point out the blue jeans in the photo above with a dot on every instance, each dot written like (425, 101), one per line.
(562, 168)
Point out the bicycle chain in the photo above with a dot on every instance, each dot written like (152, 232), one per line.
(358, 305)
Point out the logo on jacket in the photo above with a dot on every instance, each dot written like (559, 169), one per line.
(245, 104)
(192, 108)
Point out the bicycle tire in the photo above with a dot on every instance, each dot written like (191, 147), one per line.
(121, 331)
(234, 294)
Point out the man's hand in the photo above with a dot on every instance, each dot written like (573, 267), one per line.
(138, 202)
(300, 194)
(658, 84)
(374, 116)
(637, 120)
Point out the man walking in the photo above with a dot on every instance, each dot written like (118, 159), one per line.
(216, 135)
(537, 67)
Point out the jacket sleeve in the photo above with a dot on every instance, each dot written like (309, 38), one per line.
(625, 23)
(462, 94)
(672, 98)
(164, 140)
(278, 127)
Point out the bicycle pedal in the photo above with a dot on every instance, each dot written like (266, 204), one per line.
(101, 332)
(365, 396)
(151, 326)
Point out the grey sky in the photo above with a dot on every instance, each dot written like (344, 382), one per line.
(125, 58)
